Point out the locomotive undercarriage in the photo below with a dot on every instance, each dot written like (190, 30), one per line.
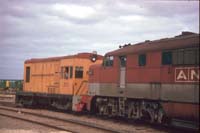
(130, 108)
(63, 102)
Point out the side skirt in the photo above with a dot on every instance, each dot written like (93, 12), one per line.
(44, 100)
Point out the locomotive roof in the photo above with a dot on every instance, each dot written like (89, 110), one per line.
(49, 59)
(186, 39)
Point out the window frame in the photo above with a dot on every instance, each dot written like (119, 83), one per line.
(79, 72)
(108, 61)
(164, 59)
(67, 74)
(28, 74)
(185, 55)
(142, 59)
(123, 63)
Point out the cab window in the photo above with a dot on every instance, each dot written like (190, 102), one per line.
(79, 72)
(122, 61)
(67, 72)
(108, 61)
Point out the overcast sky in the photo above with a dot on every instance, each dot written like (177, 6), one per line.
(43, 28)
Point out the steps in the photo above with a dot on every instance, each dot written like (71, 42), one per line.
(122, 106)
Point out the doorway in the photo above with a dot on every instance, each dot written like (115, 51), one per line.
(122, 75)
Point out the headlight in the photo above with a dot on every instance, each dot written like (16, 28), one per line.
(93, 58)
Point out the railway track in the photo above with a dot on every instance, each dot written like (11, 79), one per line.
(7, 97)
(54, 122)
(36, 122)
(8, 105)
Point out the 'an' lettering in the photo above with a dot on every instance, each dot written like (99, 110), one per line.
(181, 75)
(194, 74)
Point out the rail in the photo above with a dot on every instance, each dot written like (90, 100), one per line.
(36, 122)
(7, 97)
(78, 122)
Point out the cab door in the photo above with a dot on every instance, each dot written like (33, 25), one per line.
(80, 86)
(122, 73)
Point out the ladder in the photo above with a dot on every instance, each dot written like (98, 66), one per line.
(122, 106)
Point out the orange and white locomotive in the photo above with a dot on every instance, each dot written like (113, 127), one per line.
(57, 81)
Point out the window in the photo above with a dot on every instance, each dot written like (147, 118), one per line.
(178, 57)
(188, 56)
(142, 60)
(108, 61)
(167, 58)
(66, 72)
(28, 72)
(122, 61)
(79, 72)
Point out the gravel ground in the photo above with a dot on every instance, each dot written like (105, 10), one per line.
(60, 124)
(135, 128)
(9, 125)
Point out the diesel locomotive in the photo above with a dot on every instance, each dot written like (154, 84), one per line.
(56, 81)
(152, 80)
(157, 81)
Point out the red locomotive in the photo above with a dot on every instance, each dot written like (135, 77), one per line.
(153, 80)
